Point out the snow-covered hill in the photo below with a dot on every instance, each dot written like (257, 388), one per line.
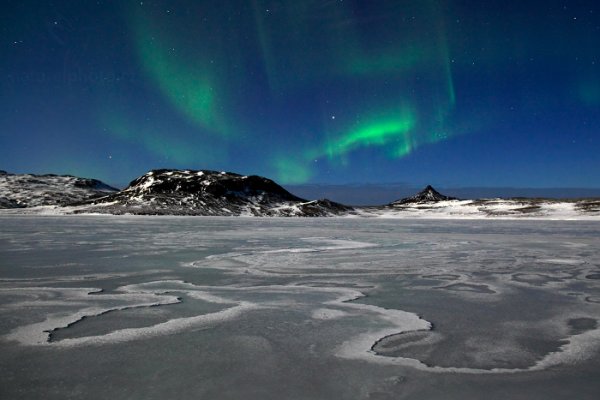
(28, 190)
(429, 203)
(188, 192)
(521, 208)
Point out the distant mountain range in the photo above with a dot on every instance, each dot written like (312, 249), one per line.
(29, 190)
(213, 193)
(373, 194)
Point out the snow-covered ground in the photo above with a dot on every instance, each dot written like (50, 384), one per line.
(492, 208)
(123, 307)
(533, 209)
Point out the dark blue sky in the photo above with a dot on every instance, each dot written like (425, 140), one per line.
(452, 93)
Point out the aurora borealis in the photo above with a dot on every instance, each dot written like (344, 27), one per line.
(459, 93)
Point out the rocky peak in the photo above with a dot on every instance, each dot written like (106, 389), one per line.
(205, 192)
(205, 182)
(427, 195)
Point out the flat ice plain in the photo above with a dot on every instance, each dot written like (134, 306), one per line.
(106, 307)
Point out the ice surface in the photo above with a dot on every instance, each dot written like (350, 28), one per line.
(163, 307)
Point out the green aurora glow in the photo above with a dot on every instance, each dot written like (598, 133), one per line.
(318, 91)
(182, 151)
(192, 77)
(191, 86)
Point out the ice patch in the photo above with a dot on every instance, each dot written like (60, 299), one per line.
(562, 261)
(328, 313)
(334, 244)
(169, 327)
(576, 348)
(39, 333)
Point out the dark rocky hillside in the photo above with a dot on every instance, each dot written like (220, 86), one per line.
(187, 192)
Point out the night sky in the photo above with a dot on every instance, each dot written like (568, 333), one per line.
(452, 93)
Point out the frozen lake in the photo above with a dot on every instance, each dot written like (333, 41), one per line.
(254, 308)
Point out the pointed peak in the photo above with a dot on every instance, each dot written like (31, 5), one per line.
(427, 195)
(429, 190)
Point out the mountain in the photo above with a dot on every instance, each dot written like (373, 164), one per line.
(189, 192)
(29, 190)
(427, 195)
(212, 193)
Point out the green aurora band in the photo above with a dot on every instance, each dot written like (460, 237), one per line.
(181, 151)
(190, 86)
(195, 74)
(379, 133)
